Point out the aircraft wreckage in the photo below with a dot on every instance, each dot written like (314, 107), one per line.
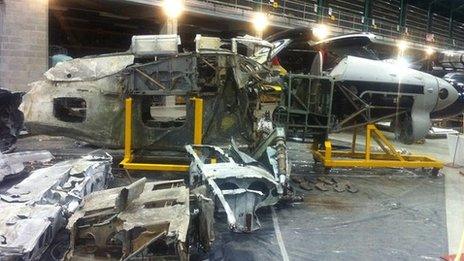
(86, 96)
(84, 99)
(129, 222)
(34, 210)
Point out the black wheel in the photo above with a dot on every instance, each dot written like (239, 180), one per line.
(435, 172)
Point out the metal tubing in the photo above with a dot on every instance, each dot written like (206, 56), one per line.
(368, 145)
(156, 167)
(128, 130)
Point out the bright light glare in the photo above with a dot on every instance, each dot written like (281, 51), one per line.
(429, 50)
(321, 31)
(260, 22)
(402, 62)
(402, 45)
(173, 8)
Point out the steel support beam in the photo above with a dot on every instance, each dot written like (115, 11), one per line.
(453, 11)
(430, 14)
(430, 17)
(450, 23)
(320, 9)
(367, 14)
(402, 18)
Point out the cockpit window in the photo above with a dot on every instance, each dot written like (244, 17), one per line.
(458, 78)
(358, 51)
(334, 55)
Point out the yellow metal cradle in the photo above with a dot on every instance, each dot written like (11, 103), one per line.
(128, 153)
(389, 158)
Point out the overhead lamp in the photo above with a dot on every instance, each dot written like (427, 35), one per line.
(260, 22)
(173, 8)
(321, 31)
(402, 45)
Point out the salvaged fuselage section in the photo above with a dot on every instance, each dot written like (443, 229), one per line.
(142, 220)
(80, 98)
(35, 209)
(240, 184)
(84, 99)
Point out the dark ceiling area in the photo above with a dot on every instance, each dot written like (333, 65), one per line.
(442, 7)
(87, 27)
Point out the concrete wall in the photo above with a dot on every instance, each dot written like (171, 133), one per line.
(23, 42)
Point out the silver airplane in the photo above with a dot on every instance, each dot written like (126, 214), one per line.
(407, 97)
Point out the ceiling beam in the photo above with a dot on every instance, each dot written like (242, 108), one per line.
(367, 14)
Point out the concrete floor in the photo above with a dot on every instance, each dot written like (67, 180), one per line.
(396, 215)
(454, 182)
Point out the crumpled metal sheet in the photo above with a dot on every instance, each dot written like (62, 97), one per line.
(13, 163)
(89, 68)
(36, 208)
(11, 119)
(127, 220)
(240, 183)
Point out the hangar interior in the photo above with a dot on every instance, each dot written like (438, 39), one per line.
(231, 129)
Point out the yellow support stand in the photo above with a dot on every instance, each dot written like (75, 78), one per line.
(198, 124)
(389, 158)
(128, 156)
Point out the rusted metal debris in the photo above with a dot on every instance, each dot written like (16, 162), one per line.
(324, 184)
(142, 220)
(36, 208)
(84, 99)
(240, 183)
